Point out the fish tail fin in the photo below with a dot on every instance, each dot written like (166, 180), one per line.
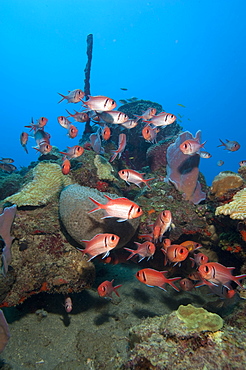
(99, 205)
(115, 289)
(70, 114)
(63, 98)
(222, 143)
(170, 282)
(112, 158)
(202, 145)
(238, 278)
(25, 148)
(132, 253)
(63, 153)
(146, 181)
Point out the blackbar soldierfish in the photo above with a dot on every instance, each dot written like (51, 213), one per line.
(175, 253)
(191, 147)
(215, 273)
(74, 96)
(23, 140)
(144, 250)
(134, 177)
(152, 278)
(100, 103)
(149, 133)
(113, 117)
(148, 114)
(122, 208)
(161, 225)
(79, 116)
(163, 119)
(106, 289)
(74, 151)
(100, 244)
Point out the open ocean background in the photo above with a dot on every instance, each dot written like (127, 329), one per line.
(187, 52)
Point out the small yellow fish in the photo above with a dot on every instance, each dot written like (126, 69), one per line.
(181, 105)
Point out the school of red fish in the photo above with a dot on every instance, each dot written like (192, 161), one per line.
(100, 109)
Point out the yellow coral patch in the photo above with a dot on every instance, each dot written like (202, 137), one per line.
(48, 180)
(236, 209)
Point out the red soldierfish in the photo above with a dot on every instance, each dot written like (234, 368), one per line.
(148, 114)
(105, 132)
(74, 96)
(175, 253)
(152, 278)
(66, 165)
(134, 177)
(74, 151)
(161, 225)
(63, 121)
(232, 146)
(122, 208)
(149, 133)
(191, 245)
(95, 141)
(130, 123)
(242, 163)
(79, 116)
(186, 284)
(146, 249)
(215, 273)
(191, 147)
(106, 289)
(23, 140)
(100, 103)
(163, 119)
(68, 304)
(72, 131)
(41, 122)
(113, 117)
(100, 243)
(44, 148)
(199, 259)
(121, 147)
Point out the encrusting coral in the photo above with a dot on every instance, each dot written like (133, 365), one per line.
(48, 180)
(236, 208)
(225, 183)
(104, 168)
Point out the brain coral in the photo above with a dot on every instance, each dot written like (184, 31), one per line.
(236, 208)
(48, 180)
(74, 206)
(224, 183)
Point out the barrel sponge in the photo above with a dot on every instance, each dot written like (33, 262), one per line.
(198, 319)
(74, 206)
(236, 208)
(104, 168)
(48, 180)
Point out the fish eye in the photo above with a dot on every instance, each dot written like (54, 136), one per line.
(139, 209)
(112, 237)
(181, 251)
(185, 146)
(137, 274)
(113, 102)
(206, 269)
(103, 288)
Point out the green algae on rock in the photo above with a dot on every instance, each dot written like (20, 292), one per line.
(48, 180)
(104, 168)
(199, 319)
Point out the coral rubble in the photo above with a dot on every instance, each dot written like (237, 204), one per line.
(48, 181)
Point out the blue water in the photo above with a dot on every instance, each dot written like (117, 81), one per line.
(169, 51)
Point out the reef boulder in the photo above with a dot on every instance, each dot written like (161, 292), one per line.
(74, 206)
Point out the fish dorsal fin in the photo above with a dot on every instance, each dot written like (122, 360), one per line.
(107, 197)
(163, 272)
(230, 268)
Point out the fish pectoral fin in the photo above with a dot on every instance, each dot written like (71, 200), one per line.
(122, 219)
(105, 255)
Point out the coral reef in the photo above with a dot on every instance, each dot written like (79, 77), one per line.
(6, 220)
(10, 184)
(164, 343)
(225, 185)
(47, 182)
(42, 258)
(183, 171)
(236, 208)
(74, 206)
(157, 155)
(104, 168)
